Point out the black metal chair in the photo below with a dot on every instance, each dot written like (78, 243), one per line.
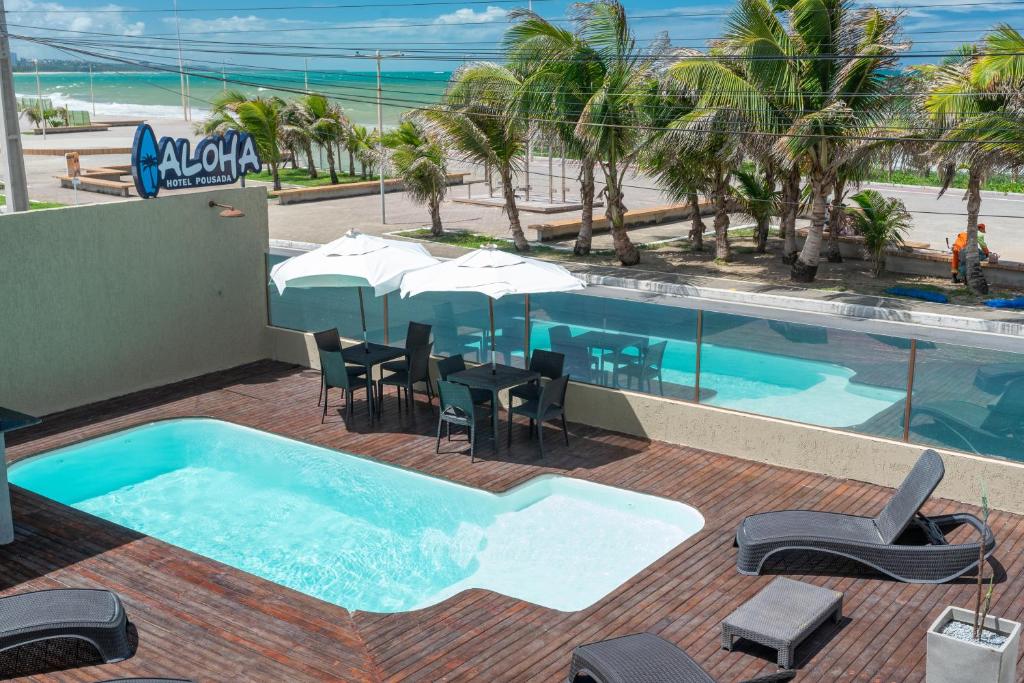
(417, 334)
(550, 365)
(417, 371)
(338, 375)
(457, 408)
(550, 405)
(456, 363)
(644, 368)
(326, 340)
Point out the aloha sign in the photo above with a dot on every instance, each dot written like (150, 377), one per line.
(172, 165)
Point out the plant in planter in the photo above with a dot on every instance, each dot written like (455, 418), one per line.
(966, 646)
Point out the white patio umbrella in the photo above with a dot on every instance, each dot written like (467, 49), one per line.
(353, 260)
(492, 272)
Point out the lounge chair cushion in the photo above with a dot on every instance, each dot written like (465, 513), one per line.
(637, 658)
(786, 525)
(96, 616)
(67, 607)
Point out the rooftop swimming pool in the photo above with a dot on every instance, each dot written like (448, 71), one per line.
(353, 531)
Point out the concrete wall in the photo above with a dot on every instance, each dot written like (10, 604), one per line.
(98, 301)
(752, 437)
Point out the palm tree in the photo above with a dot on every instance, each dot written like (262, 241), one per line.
(321, 122)
(976, 103)
(476, 120)
(842, 55)
(296, 134)
(683, 177)
(559, 80)
(757, 195)
(361, 143)
(610, 122)
(223, 114)
(881, 221)
(263, 119)
(420, 161)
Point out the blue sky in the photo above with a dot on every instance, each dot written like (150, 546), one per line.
(449, 27)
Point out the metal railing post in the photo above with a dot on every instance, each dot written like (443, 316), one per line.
(910, 389)
(266, 286)
(526, 333)
(696, 369)
(387, 326)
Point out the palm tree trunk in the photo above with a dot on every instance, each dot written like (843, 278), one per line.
(790, 208)
(351, 164)
(330, 164)
(696, 224)
(805, 268)
(275, 175)
(436, 228)
(311, 167)
(511, 210)
(975, 277)
(586, 235)
(835, 221)
(721, 198)
(764, 217)
(626, 252)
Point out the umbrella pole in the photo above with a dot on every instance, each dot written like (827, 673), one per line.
(494, 362)
(362, 318)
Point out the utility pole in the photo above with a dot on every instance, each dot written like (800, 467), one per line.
(181, 63)
(380, 133)
(188, 94)
(39, 100)
(223, 77)
(305, 61)
(14, 159)
(92, 95)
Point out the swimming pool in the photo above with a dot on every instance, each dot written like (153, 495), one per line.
(353, 531)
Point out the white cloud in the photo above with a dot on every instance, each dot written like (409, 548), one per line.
(468, 15)
(53, 17)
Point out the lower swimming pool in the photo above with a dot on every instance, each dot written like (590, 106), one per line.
(353, 531)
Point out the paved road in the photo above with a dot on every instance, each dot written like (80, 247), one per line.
(936, 218)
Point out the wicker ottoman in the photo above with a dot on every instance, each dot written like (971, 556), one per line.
(781, 616)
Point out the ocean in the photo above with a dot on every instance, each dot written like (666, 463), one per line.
(157, 94)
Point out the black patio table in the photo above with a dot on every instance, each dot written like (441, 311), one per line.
(368, 354)
(493, 379)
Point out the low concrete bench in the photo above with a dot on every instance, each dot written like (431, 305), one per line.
(342, 190)
(118, 188)
(70, 129)
(938, 264)
(653, 215)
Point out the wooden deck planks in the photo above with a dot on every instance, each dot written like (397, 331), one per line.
(198, 618)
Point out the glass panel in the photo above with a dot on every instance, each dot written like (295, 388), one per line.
(969, 400)
(630, 344)
(805, 373)
(459, 321)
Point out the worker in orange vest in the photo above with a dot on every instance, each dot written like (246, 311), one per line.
(959, 267)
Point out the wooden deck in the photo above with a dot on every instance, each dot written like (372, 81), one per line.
(200, 619)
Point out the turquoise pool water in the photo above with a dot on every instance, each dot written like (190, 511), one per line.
(353, 531)
(797, 389)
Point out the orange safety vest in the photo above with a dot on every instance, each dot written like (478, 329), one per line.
(959, 244)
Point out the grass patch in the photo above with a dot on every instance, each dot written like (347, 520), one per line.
(299, 176)
(472, 240)
(997, 183)
(33, 205)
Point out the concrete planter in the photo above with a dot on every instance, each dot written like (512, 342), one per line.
(956, 661)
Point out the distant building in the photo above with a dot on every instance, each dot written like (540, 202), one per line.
(14, 59)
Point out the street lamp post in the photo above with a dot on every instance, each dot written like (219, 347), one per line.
(39, 100)
(181, 63)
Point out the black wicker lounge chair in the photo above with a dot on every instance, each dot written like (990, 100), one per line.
(899, 542)
(95, 616)
(643, 658)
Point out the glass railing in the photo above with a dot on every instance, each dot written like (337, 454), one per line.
(961, 398)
